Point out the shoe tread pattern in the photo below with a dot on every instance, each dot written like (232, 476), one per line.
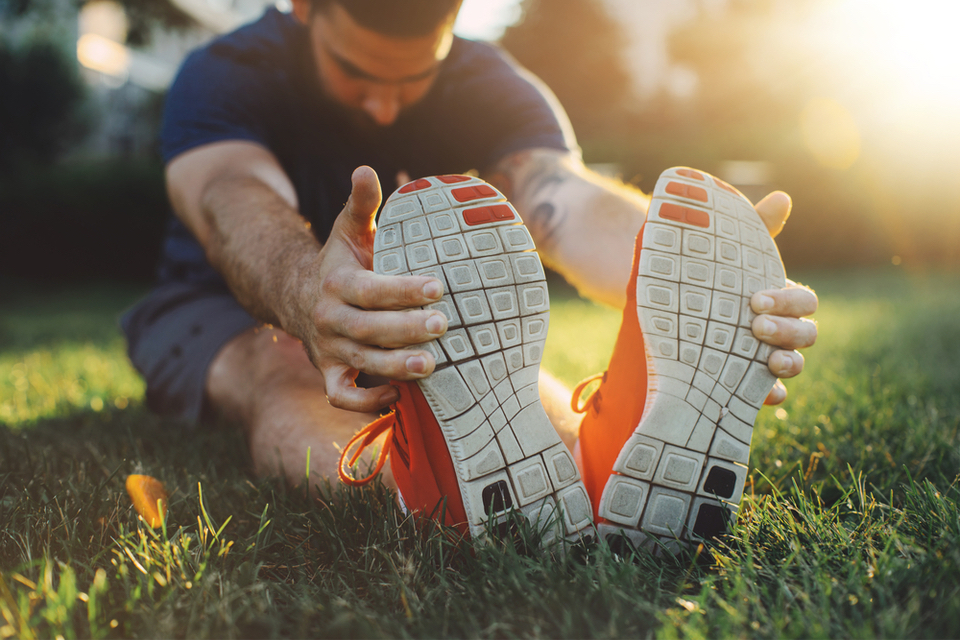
(705, 252)
(484, 390)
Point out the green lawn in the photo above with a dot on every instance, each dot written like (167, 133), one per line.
(851, 525)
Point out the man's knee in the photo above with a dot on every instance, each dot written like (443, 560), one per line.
(257, 364)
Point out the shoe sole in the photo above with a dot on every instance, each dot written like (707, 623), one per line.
(705, 252)
(484, 391)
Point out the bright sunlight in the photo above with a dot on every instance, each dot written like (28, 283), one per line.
(913, 44)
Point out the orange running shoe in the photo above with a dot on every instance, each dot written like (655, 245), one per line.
(471, 442)
(665, 439)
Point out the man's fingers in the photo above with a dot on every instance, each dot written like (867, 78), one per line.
(395, 364)
(343, 393)
(793, 301)
(785, 364)
(368, 290)
(774, 210)
(361, 207)
(388, 329)
(788, 333)
(777, 394)
(400, 364)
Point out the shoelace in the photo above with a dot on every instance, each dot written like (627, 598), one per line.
(366, 437)
(593, 400)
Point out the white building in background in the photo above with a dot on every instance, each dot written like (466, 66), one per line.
(103, 30)
(127, 83)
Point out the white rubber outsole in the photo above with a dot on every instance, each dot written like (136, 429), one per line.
(484, 391)
(681, 475)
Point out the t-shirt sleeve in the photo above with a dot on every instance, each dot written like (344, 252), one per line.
(504, 108)
(215, 97)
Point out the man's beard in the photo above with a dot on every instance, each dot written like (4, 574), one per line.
(360, 122)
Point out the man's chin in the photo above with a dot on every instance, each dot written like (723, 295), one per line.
(366, 126)
(361, 122)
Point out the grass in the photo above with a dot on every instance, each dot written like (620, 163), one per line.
(851, 525)
(61, 353)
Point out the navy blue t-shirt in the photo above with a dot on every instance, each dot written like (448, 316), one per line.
(260, 84)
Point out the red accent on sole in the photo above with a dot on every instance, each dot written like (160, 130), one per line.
(686, 191)
(690, 173)
(452, 179)
(483, 215)
(675, 212)
(466, 194)
(416, 185)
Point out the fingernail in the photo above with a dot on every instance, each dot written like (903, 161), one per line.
(436, 324)
(417, 364)
(786, 365)
(767, 328)
(433, 290)
(764, 303)
(389, 397)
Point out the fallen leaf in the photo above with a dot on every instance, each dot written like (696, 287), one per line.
(145, 492)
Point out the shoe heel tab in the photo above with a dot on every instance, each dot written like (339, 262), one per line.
(591, 400)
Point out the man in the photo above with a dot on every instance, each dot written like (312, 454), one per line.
(267, 308)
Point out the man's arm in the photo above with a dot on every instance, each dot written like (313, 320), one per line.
(585, 226)
(242, 208)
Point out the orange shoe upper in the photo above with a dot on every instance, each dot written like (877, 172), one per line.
(615, 409)
(420, 460)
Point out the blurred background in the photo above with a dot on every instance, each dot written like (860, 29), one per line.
(851, 106)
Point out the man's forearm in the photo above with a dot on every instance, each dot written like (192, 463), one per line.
(584, 224)
(260, 244)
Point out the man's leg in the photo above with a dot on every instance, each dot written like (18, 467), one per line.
(201, 353)
(263, 379)
(555, 397)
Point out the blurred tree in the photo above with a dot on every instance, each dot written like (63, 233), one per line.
(749, 65)
(577, 50)
(41, 94)
(143, 15)
(721, 48)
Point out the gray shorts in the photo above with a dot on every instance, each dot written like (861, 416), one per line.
(172, 337)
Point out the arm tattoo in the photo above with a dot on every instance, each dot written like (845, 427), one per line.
(545, 221)
(543, 177)
(532, 181)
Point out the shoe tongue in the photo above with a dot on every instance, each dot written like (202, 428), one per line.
(624, 389)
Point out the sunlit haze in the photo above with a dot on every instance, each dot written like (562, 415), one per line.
(910, 48)
(886, 75)
(486, 19)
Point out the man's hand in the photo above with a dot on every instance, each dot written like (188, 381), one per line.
(352, 320)
(782, 319)
(241, 206)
